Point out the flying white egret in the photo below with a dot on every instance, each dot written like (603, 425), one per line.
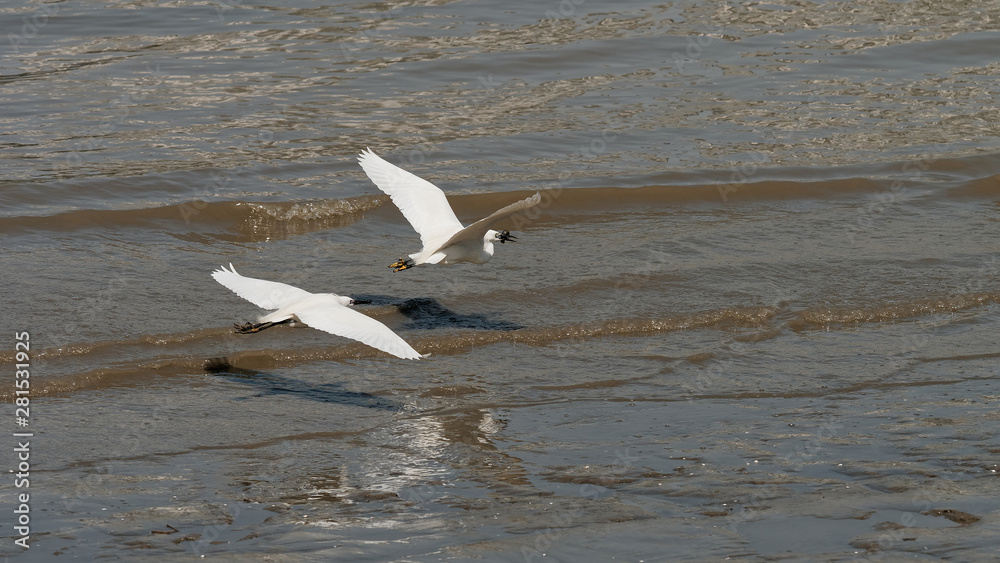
(328, 312)
(425, 206)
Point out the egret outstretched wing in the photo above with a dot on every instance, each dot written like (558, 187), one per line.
(422, 203)
(477, 230)
(262, 293)
(337, 319)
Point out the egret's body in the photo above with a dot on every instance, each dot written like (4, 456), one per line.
(445, 240)
(328, 312)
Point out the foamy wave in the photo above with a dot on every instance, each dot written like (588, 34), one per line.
(314, 210)
(814, 318)
(286, 219)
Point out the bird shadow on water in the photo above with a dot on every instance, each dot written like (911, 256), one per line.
(273, 384)
(427, 313)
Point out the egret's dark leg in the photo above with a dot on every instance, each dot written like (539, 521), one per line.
(248, 327)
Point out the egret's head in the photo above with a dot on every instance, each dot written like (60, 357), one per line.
(500, 236)
(346, 301)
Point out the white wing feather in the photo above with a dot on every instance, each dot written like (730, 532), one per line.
(477, 230)
(337, 319)
(422, 203)
(319, 310)
(262, 293)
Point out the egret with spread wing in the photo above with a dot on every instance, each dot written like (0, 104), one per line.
(425, 206)
(328, 312)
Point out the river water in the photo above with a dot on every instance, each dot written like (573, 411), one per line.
(754, 317)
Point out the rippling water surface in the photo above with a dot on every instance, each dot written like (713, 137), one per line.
(755, 318)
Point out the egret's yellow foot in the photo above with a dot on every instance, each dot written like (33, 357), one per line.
(402, 264)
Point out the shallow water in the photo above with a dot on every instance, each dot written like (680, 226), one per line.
(754, 318)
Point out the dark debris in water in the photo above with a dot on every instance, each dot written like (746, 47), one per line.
(956, 516)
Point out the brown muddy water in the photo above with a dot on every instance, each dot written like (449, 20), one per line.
(755, 318)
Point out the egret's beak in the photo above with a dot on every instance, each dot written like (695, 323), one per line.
(505, 236)
(362, 301)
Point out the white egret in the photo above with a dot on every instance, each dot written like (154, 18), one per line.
(328, 312)
(425, 206)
